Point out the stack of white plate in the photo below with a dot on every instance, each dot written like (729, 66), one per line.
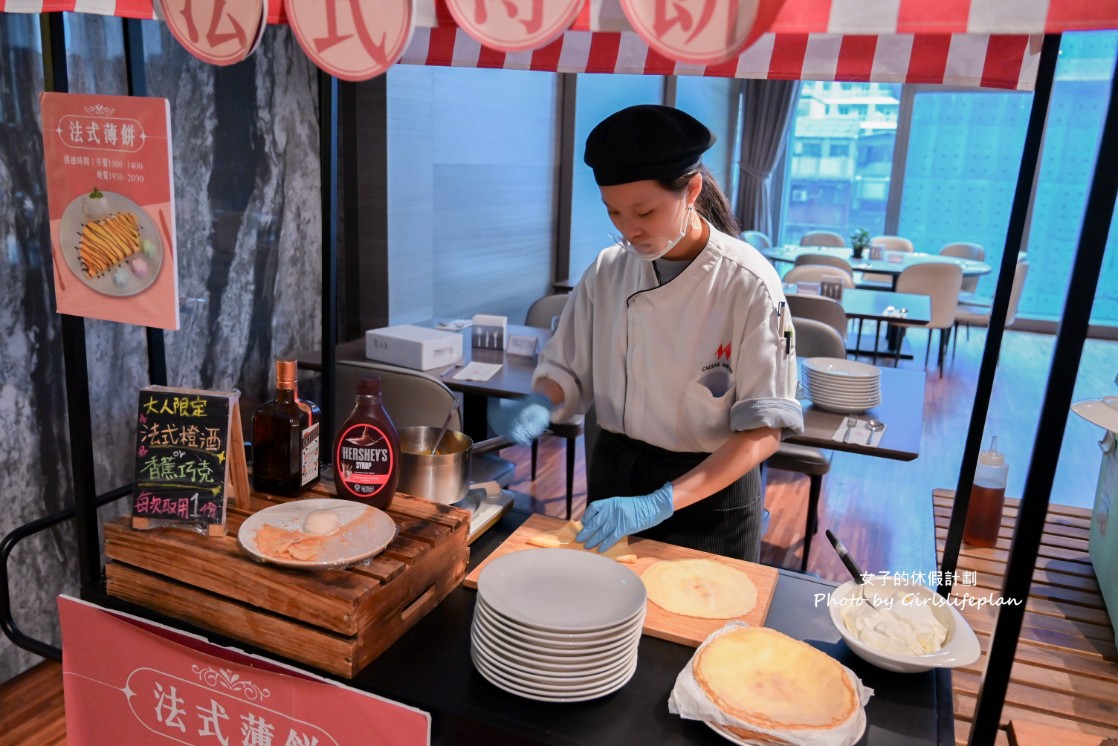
(557, 625)
(841, 385)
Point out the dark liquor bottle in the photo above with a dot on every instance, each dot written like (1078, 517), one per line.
(367, 450)
(285, 439)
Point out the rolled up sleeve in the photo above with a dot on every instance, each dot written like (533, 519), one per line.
(766, 374)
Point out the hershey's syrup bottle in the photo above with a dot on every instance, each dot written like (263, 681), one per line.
(285, 439)
(367, 450)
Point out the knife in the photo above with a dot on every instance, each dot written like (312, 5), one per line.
(844, 555)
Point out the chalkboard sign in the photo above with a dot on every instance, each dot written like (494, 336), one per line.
(185, 442)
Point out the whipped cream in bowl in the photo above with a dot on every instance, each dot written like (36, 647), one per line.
(908, 628)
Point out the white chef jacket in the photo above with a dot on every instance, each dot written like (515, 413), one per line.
(680, 365)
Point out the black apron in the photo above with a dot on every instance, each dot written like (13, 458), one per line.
(726, 523)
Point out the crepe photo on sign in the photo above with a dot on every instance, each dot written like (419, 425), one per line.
(111, 202)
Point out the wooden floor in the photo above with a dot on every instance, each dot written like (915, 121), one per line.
(1065, 673)
(882, 510)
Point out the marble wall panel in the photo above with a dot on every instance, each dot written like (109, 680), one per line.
(248, 245)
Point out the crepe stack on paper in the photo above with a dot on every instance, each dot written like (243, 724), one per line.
(755, 685)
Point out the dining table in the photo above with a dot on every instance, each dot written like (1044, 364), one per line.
(901, 409)
(892, 263)
(513, 379)
(879, 306)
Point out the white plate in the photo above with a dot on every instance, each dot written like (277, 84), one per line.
(843, 408)
(552, 681)
(516, 639)
(1102, 412)
(69, 236)
(826, 391)
(290, 516)
(547, 659)
(562, 589)
(865, 401)
(836, 366)
(597, 637)
(493, 651)
(494, 677)
(844, 384)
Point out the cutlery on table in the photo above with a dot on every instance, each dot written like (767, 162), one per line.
(874, 426)
(851, 423)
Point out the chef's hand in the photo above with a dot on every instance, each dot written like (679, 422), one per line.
(520, 420)
(606, 521)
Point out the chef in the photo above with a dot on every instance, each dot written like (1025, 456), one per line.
(679, 336)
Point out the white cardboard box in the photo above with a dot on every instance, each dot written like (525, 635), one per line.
(414, 347)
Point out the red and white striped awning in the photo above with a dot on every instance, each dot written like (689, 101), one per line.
(993, 43)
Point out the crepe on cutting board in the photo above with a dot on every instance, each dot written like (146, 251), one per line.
(564, 538)
(702, 588)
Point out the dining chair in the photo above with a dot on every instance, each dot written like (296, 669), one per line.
(757, 239)
(810, 258)
(415, 399)
(970, 251)
(822, 238)
(813, 339)
(893, 243)
(941, 282)
(818, 308)
(544, 313)
(819, 272)
(968, 315)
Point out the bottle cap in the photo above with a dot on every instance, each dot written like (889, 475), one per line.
(992, 456)
(285, 374)
(369, 386)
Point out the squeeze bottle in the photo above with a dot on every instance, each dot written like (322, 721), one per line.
(984, 514)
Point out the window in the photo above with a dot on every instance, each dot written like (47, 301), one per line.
(849, 188)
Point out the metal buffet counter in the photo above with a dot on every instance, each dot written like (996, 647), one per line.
(430, 668)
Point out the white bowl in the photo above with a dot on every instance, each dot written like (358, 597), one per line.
(961, 647)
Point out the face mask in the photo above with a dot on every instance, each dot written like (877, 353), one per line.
(653, 250)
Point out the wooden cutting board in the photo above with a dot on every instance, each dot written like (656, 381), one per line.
(658, 622)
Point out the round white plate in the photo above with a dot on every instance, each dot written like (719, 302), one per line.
(545, 659)
(1102, 412)
(494, 677)
(69, 236)
(621, 629)
(827, 391)
(553, 680)
(843, 384)
(865, 401)
(843, 408)
(290, 516)
(493, 651)
(518, 640)
(836, 366)
(562, 589)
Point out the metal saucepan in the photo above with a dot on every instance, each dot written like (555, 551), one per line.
(442, 477)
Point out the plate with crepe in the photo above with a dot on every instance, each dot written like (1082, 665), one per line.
(317, 533)
(110, 243)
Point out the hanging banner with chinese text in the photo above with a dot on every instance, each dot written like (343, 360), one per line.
(514, 25)
(353, 40)
(220, 32)
(111, 204)
(700, 32)
(129, 681)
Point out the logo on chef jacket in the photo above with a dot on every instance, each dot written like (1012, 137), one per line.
(717, 375)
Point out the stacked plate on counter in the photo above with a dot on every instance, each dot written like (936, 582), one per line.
(557, 625)
(841, 385)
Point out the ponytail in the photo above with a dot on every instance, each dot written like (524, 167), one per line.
(712, 204)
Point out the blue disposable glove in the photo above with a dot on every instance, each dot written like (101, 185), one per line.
(520, 420)
(606, 521)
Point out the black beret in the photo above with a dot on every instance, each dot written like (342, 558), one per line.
(646, 142)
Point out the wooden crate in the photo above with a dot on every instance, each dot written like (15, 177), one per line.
(334, 620)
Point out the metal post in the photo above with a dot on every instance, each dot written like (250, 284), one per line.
(328, 160)
(138, 86)
(1030, 160)
(1050, 430)
(55, 80)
